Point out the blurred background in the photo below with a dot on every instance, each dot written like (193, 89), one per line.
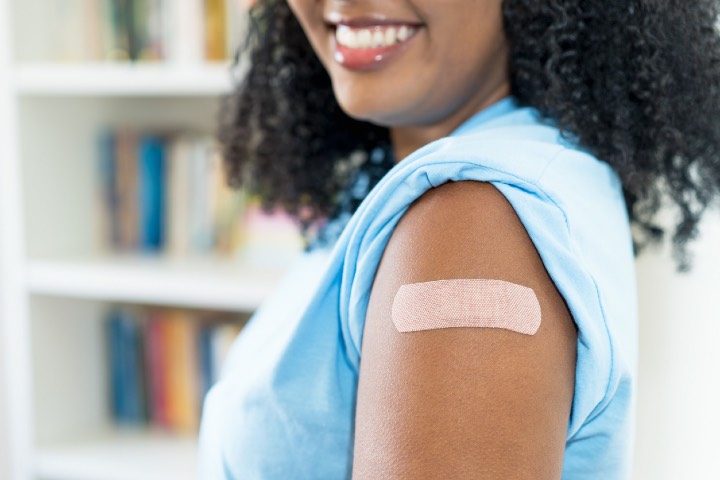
(127, 266)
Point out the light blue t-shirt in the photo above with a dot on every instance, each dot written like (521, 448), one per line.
(284, 407)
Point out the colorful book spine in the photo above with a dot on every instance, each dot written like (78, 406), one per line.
(127, 187)
(146, 30)
(206, 359)
(127, 380)
(154, 47)
(215, 30)
(183, 30)
(117, 372)
(162, 193)
(92, 38)
(107, 169)
(175, 31)
(118, 22)
(201, 197)
(229, 205)
(182, 378)
(162, 364)
(151, 158)
(156, 359)
(178, 179)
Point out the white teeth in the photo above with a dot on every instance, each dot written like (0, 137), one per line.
(378, 39)
(364, 38)
(403, 33)
(390, 36)
(371, 37)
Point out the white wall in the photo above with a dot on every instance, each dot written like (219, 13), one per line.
(7, 152)
(4, 461)
(679, 381)
(4, 457)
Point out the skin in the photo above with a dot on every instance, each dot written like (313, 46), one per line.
(463, 403)
(460, 403)
(456, 66)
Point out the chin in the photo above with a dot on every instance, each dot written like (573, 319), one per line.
(361, 112)
(380, 110)
(387, 111)
(382, 115)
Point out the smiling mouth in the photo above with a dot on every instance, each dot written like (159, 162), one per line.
(369, 47)
(378, 36)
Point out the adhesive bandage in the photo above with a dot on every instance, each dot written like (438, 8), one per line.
(466, 303)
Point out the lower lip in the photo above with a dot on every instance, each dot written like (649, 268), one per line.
(365, 59)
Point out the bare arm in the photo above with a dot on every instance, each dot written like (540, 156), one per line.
(463, 403)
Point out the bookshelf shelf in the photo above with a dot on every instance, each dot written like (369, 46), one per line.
(119, 456)
(124, 79)
(208, 283)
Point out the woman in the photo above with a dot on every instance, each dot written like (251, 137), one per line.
(476, 318)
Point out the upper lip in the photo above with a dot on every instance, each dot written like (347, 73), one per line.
(370, 20)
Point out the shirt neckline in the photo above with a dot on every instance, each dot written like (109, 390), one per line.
(499, 108)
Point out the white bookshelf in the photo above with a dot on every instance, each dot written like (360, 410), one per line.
(207, 283)
(56, 278)
(118, 79)
(119, 456)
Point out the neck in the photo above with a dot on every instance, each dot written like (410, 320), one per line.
(407, 139)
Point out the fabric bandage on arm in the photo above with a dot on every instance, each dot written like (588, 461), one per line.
(466, 303)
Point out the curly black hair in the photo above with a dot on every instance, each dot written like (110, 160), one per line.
(636, 82)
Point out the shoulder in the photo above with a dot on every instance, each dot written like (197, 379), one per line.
(416, 385)
(468, 230)
(465, 228)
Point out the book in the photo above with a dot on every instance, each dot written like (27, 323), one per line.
(107, 170)
(92, 27)
(215, 30)
(179, 32)
(201, 196)
(158, 362)
(163, 361)
(151, 159)
(127, 378)
(115, 355)
(178, 179)
(117, 27)
(183, 31)
(182, 379)
(228, 207)
(165, 192)
(73, 34)
(237, 20)
(207, 354)
(127, 187)
(270, 238)
(146, 34)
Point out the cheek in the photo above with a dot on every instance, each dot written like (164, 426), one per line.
(470, 47)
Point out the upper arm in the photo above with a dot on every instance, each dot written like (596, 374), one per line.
(465, 402)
